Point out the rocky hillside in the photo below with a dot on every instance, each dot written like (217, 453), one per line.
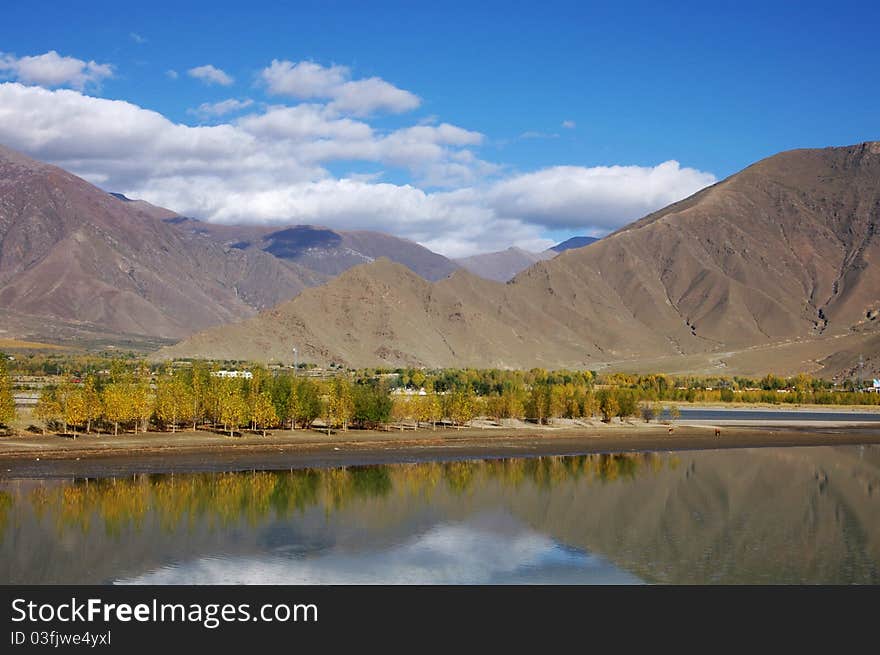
(782, 251)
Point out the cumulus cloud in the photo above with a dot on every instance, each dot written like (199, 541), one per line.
(137, 38)
(601, 197)
(52, 70)
(569, 125)
(221, 108)
(273, 166)
(307, 80)
(172, 74)
(210, 75)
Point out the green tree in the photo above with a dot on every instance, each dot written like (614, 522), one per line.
(372, 405)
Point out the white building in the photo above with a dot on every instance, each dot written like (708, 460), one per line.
(233, 374)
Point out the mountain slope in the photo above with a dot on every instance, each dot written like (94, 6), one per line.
(69, 251)
(784, 250)
(502, 265)
(328, 252)
(383, 313)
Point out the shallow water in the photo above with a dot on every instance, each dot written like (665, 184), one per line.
(761, 416)
(769, 515)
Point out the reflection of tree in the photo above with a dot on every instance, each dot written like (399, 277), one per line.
(371, 481)
(460, 475)
(251, 498)
(6, 503)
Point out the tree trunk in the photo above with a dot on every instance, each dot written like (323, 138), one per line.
(115, 428)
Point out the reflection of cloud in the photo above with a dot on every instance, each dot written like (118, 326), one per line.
(460, 553)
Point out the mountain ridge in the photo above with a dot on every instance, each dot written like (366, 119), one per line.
(747, 262)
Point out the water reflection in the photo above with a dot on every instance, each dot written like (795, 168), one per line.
(768, 515)
(479, 551)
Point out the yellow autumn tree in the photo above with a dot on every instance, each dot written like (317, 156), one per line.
(7, 400)
(91, 402)
(173, 399)
(118, 407)
(233, 406)
(263, 412)
(75, 411)
(460, 406)
(142, 400)
(47, 409)
(340, 402)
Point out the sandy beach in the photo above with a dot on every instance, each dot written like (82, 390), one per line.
(157, 452)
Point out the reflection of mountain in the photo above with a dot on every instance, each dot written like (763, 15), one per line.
(766, 515)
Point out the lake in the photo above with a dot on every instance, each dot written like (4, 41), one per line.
(769, 515)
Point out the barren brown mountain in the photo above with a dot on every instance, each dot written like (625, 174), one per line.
(503, 265)
(78, 265)
(782, 254)
(328, 252)
(72, 254)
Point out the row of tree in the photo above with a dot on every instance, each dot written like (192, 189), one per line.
(132, 396)
(135, 399)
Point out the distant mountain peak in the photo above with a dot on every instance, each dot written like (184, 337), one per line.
(574, 242)
(774, 269)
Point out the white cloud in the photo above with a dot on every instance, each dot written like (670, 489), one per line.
(137, 38)
(271, 166)
(172, 74)
(214, 109)
(569, 125)
(601, 197)
(363, 97)
(210, 75)
(307, 80)
(52, 70)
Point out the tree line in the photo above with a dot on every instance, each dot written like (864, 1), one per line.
(132, 396)
(127, 398)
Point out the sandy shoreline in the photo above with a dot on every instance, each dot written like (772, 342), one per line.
(105, 455)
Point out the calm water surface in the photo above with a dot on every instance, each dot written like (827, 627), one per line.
(786, 515)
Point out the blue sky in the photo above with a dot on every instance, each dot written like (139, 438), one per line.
(638, 83)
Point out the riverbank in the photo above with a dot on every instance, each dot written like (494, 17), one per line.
(157, 452)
